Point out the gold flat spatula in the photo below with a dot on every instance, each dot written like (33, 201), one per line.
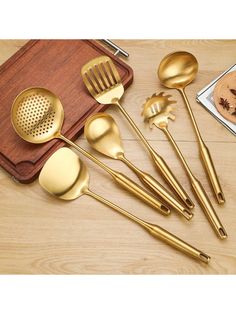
(104, 84)
(65, 176)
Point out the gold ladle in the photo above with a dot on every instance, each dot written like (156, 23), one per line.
(37, 116)
(158, 110)
(65, 176)
(102, 133)
(104, 83)
(177, 70)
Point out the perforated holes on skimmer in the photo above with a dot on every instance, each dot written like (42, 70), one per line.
(35, 115)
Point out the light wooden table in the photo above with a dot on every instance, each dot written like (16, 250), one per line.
(42, 235)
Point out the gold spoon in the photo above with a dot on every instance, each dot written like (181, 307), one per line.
(102, 133)
(37, 116)
(65, 176)
(158, 110)
(177, 70)
(104, 83)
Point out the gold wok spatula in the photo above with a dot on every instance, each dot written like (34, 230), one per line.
(102, 133)
(104, 84)
(37, 116)
(65, 176)
(177, 70)
(158, 110)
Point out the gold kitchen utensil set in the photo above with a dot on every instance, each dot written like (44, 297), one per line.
(103, 135)
(37, 116)
(177, 70)
(104, 84)
(158, 110)
(65, 176)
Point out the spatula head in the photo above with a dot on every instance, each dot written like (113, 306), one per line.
(102, 80)
(158, 109)
(37, 115)
(64, 175)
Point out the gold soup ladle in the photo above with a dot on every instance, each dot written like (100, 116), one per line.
(177, 70)
(158, 110)
(66, 177)
(37, 116)
(102, 133)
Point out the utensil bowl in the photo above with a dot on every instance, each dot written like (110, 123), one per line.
(178, 69)
(103, 135)
(37, 115)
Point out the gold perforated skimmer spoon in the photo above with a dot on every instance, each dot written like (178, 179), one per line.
(65, 176)
(104, 84)
(37, 116)
(103, 135)
(177, 70)
(158, 110)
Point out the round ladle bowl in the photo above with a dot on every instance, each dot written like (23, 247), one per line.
(178, 69)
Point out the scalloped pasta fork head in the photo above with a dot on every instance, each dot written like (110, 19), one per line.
(158, 109)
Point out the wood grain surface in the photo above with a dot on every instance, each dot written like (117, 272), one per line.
(42, 235)
(54, 65)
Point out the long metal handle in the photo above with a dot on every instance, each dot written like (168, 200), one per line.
(211, 171)
(169, 177)
(122, 180)
(160, 163)
(157, 231)
(205, 155)
(141, 193)
(156, 187)
(177, 243)
(208, 209)
(199, 192)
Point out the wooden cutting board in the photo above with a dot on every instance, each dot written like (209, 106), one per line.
(55, 65)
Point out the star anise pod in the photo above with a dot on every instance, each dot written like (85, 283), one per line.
(233, 91)
(224, 103)
(234, 112)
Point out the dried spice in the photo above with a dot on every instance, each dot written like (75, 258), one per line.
(224, 103)
(234, 113)
(233, 91)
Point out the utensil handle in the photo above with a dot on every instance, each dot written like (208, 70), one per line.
(211, 171)
(208, 208)
(156, 187)
(171, 179)
(176, 242)
(141, 193)
(205, 155)
(149, 181)
(156, 231)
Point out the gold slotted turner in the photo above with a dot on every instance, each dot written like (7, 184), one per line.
(104, 84)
